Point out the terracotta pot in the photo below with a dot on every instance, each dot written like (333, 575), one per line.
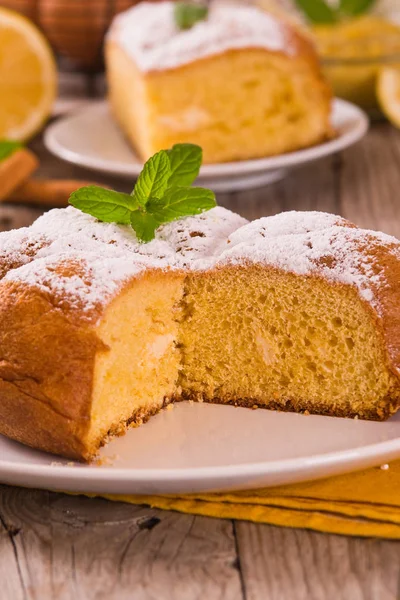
(26, 7)
(75, 28)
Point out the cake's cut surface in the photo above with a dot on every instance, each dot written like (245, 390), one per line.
(138, 372)
(281, 335)
(242, 84)
(297, 312)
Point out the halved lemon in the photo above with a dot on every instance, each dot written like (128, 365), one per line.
(28, 77)
(388, 92)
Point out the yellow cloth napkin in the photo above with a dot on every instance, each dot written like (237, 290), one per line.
(366, 503)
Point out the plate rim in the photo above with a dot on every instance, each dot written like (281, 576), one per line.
(369, 454)
(214, 171)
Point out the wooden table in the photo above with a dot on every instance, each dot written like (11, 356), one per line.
(53, 546)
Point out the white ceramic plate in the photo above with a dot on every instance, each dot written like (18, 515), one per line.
(203, 448)
(90, 138)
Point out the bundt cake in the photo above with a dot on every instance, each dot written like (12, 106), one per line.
(299, 311)
(241, 83)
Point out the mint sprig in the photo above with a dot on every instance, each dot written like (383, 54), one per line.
(185, 161)
(187, 14)
(323, 12)
(162, 194)
(144, 224)
(8, 147)
(106, 205)
(153, 179)
(176, 201)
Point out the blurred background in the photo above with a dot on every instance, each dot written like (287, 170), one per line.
(51, 62)
(355, 41)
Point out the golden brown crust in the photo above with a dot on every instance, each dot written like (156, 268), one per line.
(46, 372)
(387, 266)
(386, 408)
(47, 361)
(138, 417)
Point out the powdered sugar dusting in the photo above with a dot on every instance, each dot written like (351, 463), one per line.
(148, 33)
(71, 278)
(84, 262)
(314, 243)
(199, 240)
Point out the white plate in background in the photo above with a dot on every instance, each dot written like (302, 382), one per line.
(205, 448)
(91, 138)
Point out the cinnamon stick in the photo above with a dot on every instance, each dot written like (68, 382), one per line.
(46, 192)
(15, 169)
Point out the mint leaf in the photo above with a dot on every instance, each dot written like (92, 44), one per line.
(159, 196)
(318, 11)
(352, 8)
(185, 160)
(153, 180)
(105, 205)
(186, 14)
(8, 147)
(181, 202)
(144, 224)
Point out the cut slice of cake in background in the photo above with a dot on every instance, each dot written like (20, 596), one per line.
(242, 83)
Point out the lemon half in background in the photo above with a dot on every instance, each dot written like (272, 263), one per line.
(28, 77)
(388, 92)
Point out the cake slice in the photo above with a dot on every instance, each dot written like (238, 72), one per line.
(242, 83)
(299, 311)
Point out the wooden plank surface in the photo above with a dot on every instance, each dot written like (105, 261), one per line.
(280, 564)
(70, 547)
(73, 548)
